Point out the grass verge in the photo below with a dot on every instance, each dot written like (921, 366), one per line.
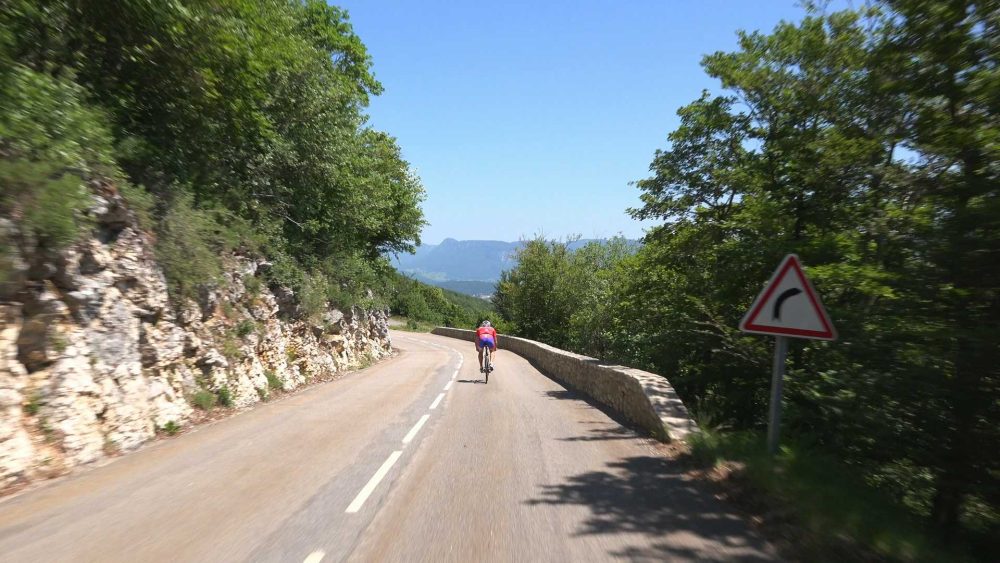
(820, 508)
(411, 325)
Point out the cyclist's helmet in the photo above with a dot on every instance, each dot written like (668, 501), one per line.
(486, 323)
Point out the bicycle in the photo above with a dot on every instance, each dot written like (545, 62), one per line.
(487, 366)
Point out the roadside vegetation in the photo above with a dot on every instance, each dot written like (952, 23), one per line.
(422, 306)
(230, 126)
(866, 142)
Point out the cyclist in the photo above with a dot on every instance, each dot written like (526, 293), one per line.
(486, 335)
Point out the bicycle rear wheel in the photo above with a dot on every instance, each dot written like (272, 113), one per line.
(486, 365)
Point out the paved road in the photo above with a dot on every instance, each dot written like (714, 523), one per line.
(413, 459)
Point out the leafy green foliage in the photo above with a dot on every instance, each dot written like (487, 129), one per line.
(253, 285)
(51, 142)
(273, 381)
(240, 123)
(171, 428)
(231, 347)
(573, 288)
(225, 397)
(423, 304)
(204, 400)
(245, 328)
(842, 517)
(866, 142)
(34, 404)
(188, 247)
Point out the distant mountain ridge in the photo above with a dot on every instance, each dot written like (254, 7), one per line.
(460, 260)
(467, 266)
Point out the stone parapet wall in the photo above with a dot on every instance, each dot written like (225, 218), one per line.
(643, 398)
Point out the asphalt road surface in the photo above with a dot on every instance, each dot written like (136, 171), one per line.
(414, 459)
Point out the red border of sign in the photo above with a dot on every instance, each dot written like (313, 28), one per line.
(748, 324)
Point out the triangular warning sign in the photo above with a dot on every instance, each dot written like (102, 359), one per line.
(789, 306)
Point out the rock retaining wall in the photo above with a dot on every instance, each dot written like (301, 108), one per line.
(641, 397)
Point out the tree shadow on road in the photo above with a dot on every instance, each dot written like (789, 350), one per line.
(653, 497)
(650, 496)
(604, 432)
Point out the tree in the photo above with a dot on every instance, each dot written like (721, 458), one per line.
(867, 142)
(947, 61)
(254, 109)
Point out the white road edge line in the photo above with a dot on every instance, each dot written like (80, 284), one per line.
(448, 386)
(454, 375)
(315, 557)
(416, 428)
(366, 492)
(434, 405)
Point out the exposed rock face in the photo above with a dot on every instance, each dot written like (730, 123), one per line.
(94, 357)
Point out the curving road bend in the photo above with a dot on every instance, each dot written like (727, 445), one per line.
(411, 459)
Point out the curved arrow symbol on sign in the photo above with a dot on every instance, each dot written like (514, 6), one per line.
(781, 299)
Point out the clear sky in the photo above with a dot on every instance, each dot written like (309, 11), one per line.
(533, 117)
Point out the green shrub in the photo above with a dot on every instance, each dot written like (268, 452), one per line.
(225, 397)
(47, 431)
(111, 447)
(366, 360)
(262, 393)
(52, 141)
(6, 261)
(313, 296)
(46, 118)
(273, 381)
(140, 202)
(826, 497)
(59, 343)
(34, 404)
(204, 400)
(189, 246)
(253, 285)
(231, 348)
(245, 328)
(49, 199)
(171, 428)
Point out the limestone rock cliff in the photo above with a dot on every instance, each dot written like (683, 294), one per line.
(95, 358)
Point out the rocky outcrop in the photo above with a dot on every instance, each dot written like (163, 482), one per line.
(95, 358)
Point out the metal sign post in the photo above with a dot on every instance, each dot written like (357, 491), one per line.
(777, 383)
(788, 306)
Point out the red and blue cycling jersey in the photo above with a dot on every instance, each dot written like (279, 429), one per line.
(486, 336)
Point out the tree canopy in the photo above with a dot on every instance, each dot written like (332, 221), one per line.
(866, 141)
(241, 110)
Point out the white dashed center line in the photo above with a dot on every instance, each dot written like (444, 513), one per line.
(366, 492)
(434, 405)
(369, 488)
(314, 557)
(416, 428)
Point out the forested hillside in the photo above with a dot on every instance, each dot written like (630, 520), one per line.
(230, 126)
(867, 143)
(420, 302)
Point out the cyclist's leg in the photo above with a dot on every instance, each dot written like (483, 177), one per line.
(479, 349)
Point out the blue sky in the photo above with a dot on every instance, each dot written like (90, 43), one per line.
(533, 117)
